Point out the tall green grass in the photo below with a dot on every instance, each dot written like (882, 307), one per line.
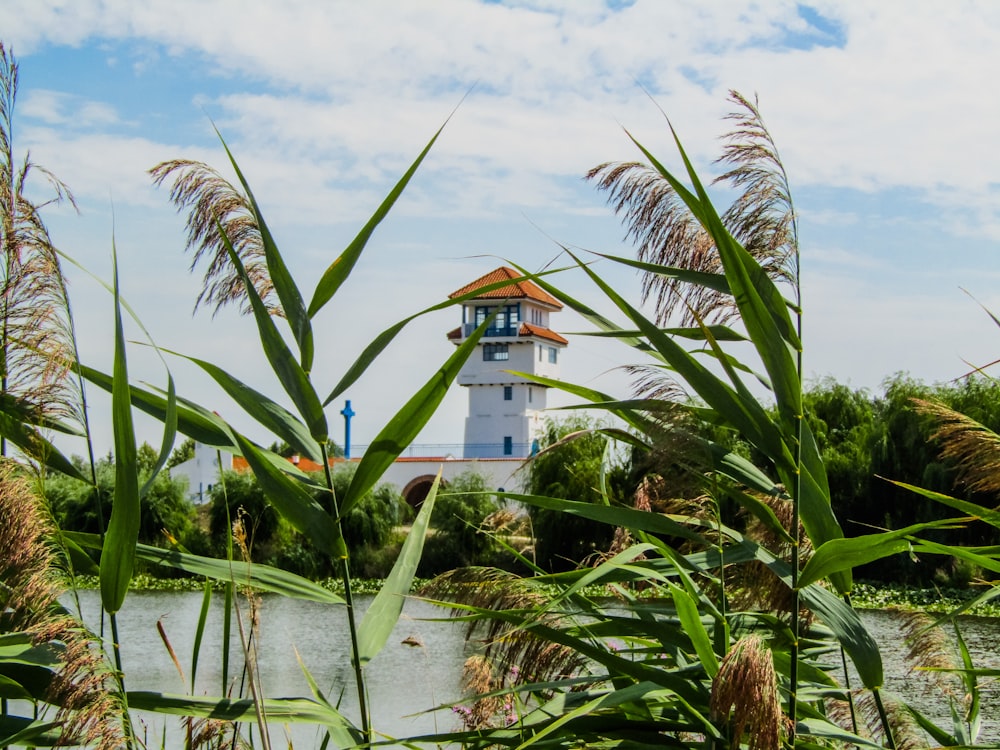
(718, 637)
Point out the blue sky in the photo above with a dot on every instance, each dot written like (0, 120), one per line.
(884, 115)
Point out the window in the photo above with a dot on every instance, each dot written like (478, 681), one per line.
(553, 354)
(529, 394)
(541, 350)
(495, 353)
(508, 393)
(504, 324)
(508, 446)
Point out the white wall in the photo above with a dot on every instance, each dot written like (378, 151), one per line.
(202, 471)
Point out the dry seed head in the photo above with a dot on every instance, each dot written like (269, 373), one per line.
(905, 732)
(83, 687)
(745, 695)
(931, 651)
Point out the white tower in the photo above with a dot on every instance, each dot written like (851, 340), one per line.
(505, 410)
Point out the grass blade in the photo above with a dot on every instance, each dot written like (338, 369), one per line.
(199, 633)
(381, 617)
(118, 554)
(293, 501)
(341, 268)
(400, 431)
(288, 293)
(169, 433)
(266, 412)
(290, 373)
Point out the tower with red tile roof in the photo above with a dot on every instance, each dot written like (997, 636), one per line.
(505, 410)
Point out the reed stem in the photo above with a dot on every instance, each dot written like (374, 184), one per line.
(345, 574)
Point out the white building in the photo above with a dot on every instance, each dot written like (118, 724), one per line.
(202, 471)
(505, 410)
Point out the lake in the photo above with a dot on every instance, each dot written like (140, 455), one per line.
(406, 682)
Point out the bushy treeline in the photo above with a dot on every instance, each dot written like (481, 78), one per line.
(170, 519)
(865, 440)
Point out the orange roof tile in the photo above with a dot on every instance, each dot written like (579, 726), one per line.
(516, 290)
(543, 333)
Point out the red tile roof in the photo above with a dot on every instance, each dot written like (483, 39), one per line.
(543, 333)
(515, 290)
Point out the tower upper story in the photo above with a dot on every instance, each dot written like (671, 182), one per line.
(519, 338)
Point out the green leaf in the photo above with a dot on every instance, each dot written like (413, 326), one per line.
(843, 554)
(194, 421)
(291, 300)
(400, 431)
(293, 501)
(715, 281)
(290, 374)
(759, 510)
(199, 632)
(278, 420)
(745, 414)
(849, 631)
(630, 518)
(255, 575)
(687, 612)
(290, 710)
(341, 268)
(22, 731)
(118, 554)
(987, 515)
(32, 443)
(381, 617)
(719, 332)
(169, 433)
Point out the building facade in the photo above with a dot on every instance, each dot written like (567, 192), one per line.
(503, 377)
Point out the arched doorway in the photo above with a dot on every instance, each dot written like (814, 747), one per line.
(416, 490)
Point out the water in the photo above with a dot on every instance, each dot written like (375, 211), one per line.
(406, 682)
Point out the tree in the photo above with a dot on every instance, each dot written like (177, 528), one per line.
(183, 452)
(458, 540)
(569, 466)
(165, 509)
(36, 339)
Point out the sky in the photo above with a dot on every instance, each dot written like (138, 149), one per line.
(883, 114)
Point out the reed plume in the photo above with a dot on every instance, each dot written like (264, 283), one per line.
(974, 448)
(213, 202)
(36, 338)
(83, 688)
(745, 695)
(762, 218)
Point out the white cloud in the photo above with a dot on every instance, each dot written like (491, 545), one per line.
(58, 108)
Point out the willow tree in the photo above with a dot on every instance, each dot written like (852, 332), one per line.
(36, 341)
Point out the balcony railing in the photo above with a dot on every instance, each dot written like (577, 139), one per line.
(492, 331)
(456, 450)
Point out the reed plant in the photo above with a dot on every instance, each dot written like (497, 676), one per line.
(681, 656)
(717, 635)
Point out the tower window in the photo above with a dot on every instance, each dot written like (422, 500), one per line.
(495, 353)
(541, 350)
(553, 354)
(508, 393)
(529, 394)
(508, 445)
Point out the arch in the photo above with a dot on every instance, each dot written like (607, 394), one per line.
(416, 489)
